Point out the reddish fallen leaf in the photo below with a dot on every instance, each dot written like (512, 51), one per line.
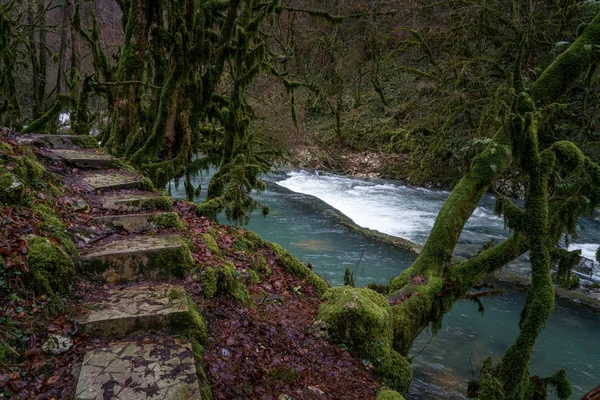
(52, 380)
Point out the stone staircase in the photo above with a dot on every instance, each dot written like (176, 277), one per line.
(126, 359)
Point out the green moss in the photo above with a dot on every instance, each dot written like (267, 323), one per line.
(282, 374)
(50, 268)
(51, 224)
(209, 282)
(167, 220)
(147, 184)
(6, 148)
(29, 169)
(210, 243)
(85, 141)
(210, 209)
(261, 265)
(205, 392)
(297, 268)
(362, 320)
(162, 203)
(11, 190)
(568, 156)
(228, 278)
(253, 277)
(488, 386)
(49, 221)
(172, 262)
(190, 324)
(387, 394)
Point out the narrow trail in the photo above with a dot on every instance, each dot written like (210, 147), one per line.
(123, 361)
(173, 306)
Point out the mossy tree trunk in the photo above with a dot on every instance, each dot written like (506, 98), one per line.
(126, 106)
(426, 291)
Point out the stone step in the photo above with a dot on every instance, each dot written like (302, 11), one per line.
(139, 257)
(134, 223)
(135, 201)
(112, 180)
(118, 312)
(60, 141)
(91, 159)
(150, 368)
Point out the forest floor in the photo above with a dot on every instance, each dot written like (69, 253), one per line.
(261, 344)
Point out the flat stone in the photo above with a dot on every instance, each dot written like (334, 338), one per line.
(133, 258)
(55, 141)
(139, 371)
(130, 222)
(126, 310)
(85, 158)
(112, 180)
(128, 202)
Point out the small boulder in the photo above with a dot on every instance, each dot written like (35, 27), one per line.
(12, 190)
(57, 344)
(315, 391)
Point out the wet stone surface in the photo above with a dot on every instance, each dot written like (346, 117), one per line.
(111, 180)
(162, 369)
(133, 258)
(84, 158)
(129, 222)
(117, 312)
(126, 202)
(137, 244)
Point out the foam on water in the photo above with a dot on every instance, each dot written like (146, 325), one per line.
(391, 208)
(588, 250)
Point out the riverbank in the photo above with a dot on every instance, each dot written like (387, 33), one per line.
(372, 165)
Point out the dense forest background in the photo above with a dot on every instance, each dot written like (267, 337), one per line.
(418, 86)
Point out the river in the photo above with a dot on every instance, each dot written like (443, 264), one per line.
(302, 220)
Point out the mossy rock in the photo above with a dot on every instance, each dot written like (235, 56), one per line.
(12, 191)
(362, 320)
(253, 277)
(85, 141)
(224, 281)
(7, 148)
(51, 270)
(29, 169)
(210, 277)
(210, 243)
(167, 220)
(146, 184)
(162, 203)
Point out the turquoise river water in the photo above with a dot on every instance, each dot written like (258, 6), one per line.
(301, 219)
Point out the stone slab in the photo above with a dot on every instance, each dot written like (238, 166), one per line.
(128, 202)
(135, 371)
(55, 141)
(121, 311)
(112, 180)
(85, 158)
(130, 222)
(133, 258)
